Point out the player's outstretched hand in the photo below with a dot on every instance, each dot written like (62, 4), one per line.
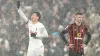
(18, 4)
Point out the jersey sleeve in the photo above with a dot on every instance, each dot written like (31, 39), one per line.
(28, 23)
(22, 15)
(68, 28)
(88, 35)
(42, 32)
(62, 34)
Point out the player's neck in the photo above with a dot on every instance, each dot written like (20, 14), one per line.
(77, 23)
(35, 22)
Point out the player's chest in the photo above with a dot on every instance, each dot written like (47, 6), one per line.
(77, 30)
(33, 28)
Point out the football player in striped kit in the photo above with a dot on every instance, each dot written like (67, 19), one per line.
(36, 32)
(77, 31)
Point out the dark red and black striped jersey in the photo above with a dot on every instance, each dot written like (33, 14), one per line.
(77, 34)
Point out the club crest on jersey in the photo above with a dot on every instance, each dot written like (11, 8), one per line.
(79, 35)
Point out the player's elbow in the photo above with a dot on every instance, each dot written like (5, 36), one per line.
(46, 35)
(61, 33)
(19, 11)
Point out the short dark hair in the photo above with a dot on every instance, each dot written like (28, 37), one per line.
(79, 13)
(38, 14)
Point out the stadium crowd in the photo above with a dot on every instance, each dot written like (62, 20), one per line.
(56, 15)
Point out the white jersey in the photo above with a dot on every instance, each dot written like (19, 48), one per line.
(41, 32)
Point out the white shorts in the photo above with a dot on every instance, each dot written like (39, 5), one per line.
(36, 51)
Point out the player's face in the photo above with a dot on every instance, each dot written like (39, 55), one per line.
(34, 17)
(79, 18)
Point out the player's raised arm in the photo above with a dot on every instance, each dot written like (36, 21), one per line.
(21, 13)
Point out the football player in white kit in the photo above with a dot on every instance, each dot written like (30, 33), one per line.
(36, 32)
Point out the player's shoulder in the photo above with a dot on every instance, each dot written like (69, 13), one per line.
(84, 25)
(40, 24)
(69, 26)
